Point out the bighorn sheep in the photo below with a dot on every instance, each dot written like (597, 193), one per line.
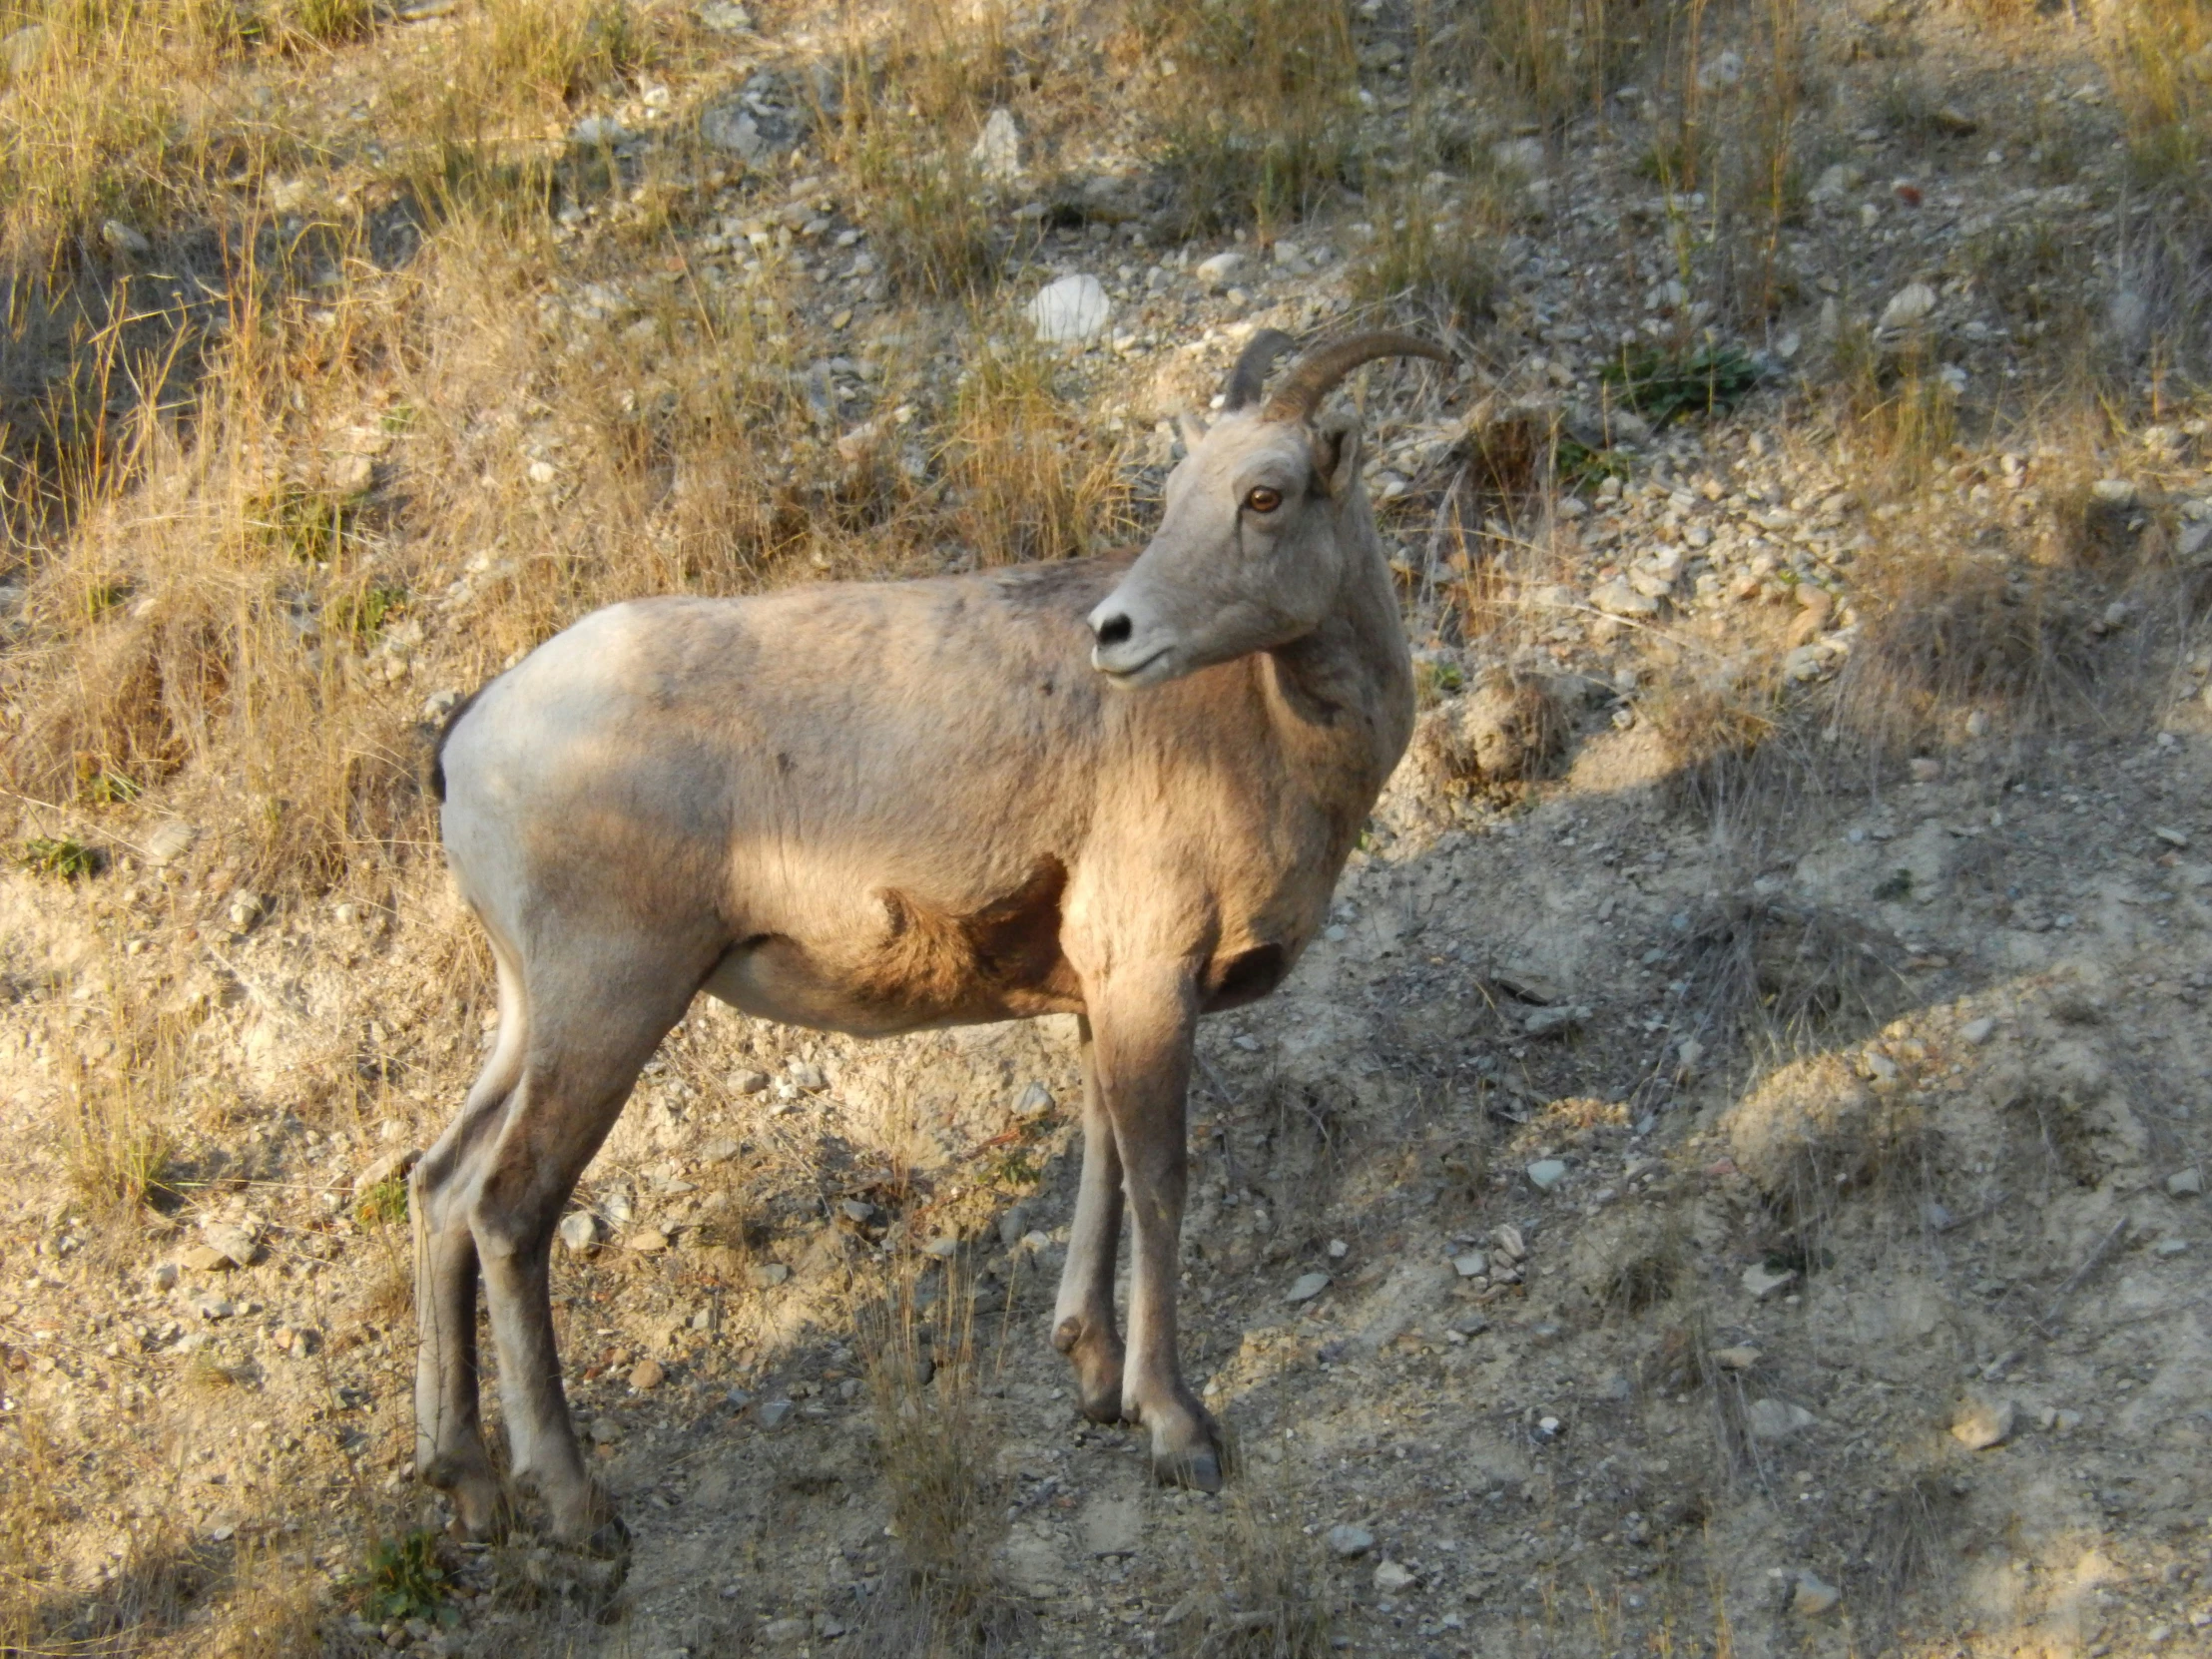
(880, 807)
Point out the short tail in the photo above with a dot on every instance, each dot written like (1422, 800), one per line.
(445, 734)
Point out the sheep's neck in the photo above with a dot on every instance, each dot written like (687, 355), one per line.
(1342, 697)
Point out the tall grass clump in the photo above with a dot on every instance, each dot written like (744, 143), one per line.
(1029, 483)
(935, 1444)
(1257, 123)
(1558, 57)
(2158, 54)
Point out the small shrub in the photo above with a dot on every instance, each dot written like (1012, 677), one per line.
(309, 527)
(1561, 56)
(404, 1579)
(362, 616)
(61, 855)
(383, 1205)
(328, 21)
(1663, 385)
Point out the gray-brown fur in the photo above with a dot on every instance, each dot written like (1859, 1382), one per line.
(1119, 788)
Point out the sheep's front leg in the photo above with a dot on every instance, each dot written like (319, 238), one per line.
(1144, 1017)
(1083, 1320)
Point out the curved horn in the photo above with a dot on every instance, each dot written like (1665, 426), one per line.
(1250, 377)
(1315, 375)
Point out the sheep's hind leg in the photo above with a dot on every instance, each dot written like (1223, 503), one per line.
(449, 1440)
(598, 1013)
(1083, 1326)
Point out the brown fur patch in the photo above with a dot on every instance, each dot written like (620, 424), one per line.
(1006, 956)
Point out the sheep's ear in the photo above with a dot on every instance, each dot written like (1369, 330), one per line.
(1337, 455)
(1190, 429)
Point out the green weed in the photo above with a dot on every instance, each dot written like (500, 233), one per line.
(61, 856)
(1663, 385)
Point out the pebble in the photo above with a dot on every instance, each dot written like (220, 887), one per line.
(1338, 1250)
(579, 1232)
(1735, 1358)
(1909, 307)
(1546, 1173)
(647, 1241)
(768, 1275)
(234, 1243)
(646, 1374)
(168, 841)
(164, 1277)
(1307, 1287)
(2170, 1247)
(807, 1076)
(725, 18)
(1391, 1576)
(1978, 1425)
(1510, 1243)
(1217, 270)
(1617, 598)
(774, 1412)
(942, 1248)
(1350, 1542)
(1813, 1596)
(747, 1082)
(1542, 1023)
(2187, 1183)
(1071, 312)
(1012, 1225)
(2115, 492)
(786, 1630)
(1762, 1280)
(124, 238)
(1979, 1031)
(1777, 1419)
(1473, 1264)
(2171, 837)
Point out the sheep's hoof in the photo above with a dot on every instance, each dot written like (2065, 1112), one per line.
(1186, 1447)
(1098, 1358)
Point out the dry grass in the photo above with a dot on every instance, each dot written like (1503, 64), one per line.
(1559, 57)
(1030, 482)
(1268, 1591)
(1257, 119)
(935, 1446)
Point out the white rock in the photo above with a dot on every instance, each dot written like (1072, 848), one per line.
(1391, 1576)
(1978, 1425)
(1071, 312)
(235, 1242)
(2115, 492)
(1472, 1265)
(1909, 307)
(167, 842)
(1349, 1542)
(1546, 1173)
(1307, 1287)
(579, 1232)
(2188, 1183)
(1217, 270)
(123, 239)
(1521, 155)
(1762, 1280)
(1813, 1596)
(1777, 1419)
(1977, 1031)
(597, 130)
(1617, 598)
(774, 1412)
(1725, 70)
(725, 18)
(997, 152)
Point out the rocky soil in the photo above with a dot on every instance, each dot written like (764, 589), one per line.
(1691, 1200)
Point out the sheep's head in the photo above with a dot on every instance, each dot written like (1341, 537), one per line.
(1260, 518)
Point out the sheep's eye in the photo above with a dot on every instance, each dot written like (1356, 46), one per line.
(1264, 501)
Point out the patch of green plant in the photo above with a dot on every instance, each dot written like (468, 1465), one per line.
(399, 418)
(383, 1205)
(1577, 466)
(1894, 888)
(362, 616)
(105, 788)
(61, 856)
(1433, 680)
(1663, 383)
(310, 527)
(404, 1579)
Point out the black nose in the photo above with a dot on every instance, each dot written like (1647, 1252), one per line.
(1114, 630)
